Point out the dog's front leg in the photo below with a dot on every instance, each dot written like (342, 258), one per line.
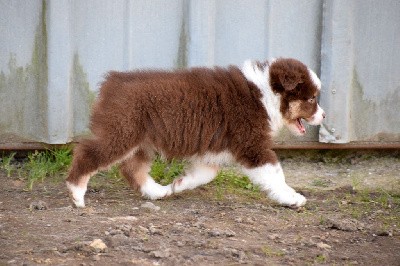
(271, 179)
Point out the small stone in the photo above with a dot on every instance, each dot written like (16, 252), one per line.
(238, 219)
(214, 232)
(159, 254)
(384, 233)
(348, 225)
(143, 229)
(238, 254)
(115, 232)
(153, 230)
(322, 245)
(149, 205)
(98, 245)
(229, 233)
(123, 218)
(38, 206)
(125, 229)
(273, 236)
(118, 240)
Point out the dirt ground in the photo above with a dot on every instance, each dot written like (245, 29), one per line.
(352, 218)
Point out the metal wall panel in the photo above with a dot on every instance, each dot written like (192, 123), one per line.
(361, 72)
(54, 54)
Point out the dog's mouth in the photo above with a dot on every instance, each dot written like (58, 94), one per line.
(296, 126)
(300, 126)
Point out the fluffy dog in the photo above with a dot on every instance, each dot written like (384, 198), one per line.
(209, 117)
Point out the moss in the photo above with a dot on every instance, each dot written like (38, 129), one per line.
(83, 97)
(383, 110)
(23, 92)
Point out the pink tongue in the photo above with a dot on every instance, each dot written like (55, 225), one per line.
(300, 126)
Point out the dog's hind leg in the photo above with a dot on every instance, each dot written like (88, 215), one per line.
(199, 174)
(136, 170)
(91, 155)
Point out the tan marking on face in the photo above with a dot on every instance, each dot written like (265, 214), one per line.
(294, 109)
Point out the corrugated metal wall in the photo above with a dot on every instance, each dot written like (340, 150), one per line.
(53, 54)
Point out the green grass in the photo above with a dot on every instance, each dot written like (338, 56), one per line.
(6, 164)
(320, 259)
(321, 183)
(165, 172)
(40, 165)
(45, 164)
(364, 202)
(271, 252)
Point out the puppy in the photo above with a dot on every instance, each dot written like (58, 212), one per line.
(209, 117)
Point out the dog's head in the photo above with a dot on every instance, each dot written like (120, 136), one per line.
(299, 88)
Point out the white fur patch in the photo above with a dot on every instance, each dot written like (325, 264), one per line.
(271, 179)
(78, 194)
(315, 79)
(271, 101)
(153, 190)
(212, 158)
(200, 174)
(317, 118)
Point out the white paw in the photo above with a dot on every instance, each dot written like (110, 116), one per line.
(288, 197)
(178, 185)
(77, 195)
(153, 191)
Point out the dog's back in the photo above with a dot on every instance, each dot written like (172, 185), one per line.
(178, 114)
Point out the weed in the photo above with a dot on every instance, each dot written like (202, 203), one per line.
(113, 173)
(229, 180)
(46, 163)
(320, 259)
(321, 183)
(165, 172)
(322, 220)
(271, 252)
(6, 164)
(386, 200)
(356, 182)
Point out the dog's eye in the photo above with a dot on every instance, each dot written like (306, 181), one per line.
(311, 100)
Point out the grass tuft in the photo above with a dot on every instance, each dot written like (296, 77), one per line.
(46, 163)
(271, 252)
(165, 172)
(320, 259)
(6, 165)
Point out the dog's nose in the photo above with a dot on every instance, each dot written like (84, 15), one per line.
(323, 115)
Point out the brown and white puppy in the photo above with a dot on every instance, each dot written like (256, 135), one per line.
(210, 117)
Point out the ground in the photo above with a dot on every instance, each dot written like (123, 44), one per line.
(352, 217)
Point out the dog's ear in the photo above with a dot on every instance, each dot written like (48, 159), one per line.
(289, 80)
